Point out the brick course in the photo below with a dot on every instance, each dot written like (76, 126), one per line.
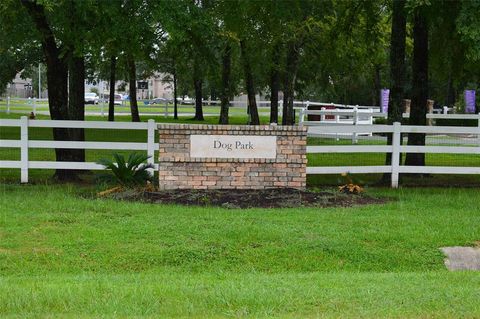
(177, 170)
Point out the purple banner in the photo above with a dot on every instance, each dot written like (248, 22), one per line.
(384, 96)
(469, 101)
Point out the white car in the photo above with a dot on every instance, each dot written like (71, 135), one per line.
(186, 100)
(117, 100)
(91, 98)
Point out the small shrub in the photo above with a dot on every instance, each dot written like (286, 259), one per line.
(350, 187)
(128, 173)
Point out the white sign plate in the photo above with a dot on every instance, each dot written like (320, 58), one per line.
(233, 146)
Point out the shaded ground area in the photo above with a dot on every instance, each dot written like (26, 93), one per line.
(267, 198)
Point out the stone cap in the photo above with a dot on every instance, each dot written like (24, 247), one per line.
(188, 159)
(219, 127)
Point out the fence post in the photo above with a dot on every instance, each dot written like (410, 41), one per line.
(478, 129)
(34, 105)
(24, 149)
(337, 120)
(396, 153)
(304, 111)
(151, 145)
(355, 122)
(322, 115)
(8, 104)
(280, 108)
(429, 111)
(101, 109)
(166, 109)
(301, 117)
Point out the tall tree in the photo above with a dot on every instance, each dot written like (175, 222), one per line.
(249, 85)
(198, 87)
(226, 83)
(292, 62)
(111, 95)
(447, 56)
(75, 56)
(190, 26)
(397, 69)
(132, 85)
(419, 83)
(63, 54)
(275, 82)
(239, 29)
(303, 25)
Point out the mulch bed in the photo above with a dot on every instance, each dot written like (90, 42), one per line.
(267, 198)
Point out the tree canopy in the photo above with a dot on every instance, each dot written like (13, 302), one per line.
(334, 51)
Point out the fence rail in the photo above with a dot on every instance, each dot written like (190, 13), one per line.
(396, 149)
(24, 143)
(356, 115)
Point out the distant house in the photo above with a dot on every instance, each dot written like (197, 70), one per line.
(157, 87)
(20, 88)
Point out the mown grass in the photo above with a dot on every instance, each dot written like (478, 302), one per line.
(66, 254)
(22, 106)
(207, 295)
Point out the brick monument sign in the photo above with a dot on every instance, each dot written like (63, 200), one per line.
(231, 156)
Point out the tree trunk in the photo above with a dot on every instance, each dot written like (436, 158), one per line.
(274, 84)
(397, 71)
(293, 59)
(225, 94)
(57, 78)
(111, 99)
(132, 77)
(76, 103)
(450, 101)
(175, 95)
(418, 108)
(213, 94)
(377, 85)
(252, 103)
(197, 84)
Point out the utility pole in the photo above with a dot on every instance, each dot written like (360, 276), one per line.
(39, 82)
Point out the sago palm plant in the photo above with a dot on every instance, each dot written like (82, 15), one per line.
(128, 173)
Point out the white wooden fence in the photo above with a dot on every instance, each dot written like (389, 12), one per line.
(24, 143)
(358, 116)
(395, 149)
(32, 103)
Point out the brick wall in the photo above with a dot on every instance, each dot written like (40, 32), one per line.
(178, 170)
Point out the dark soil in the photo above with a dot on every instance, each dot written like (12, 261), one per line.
(267, 198)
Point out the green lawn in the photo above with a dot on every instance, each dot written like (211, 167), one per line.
(20, 105)
(65, 254)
